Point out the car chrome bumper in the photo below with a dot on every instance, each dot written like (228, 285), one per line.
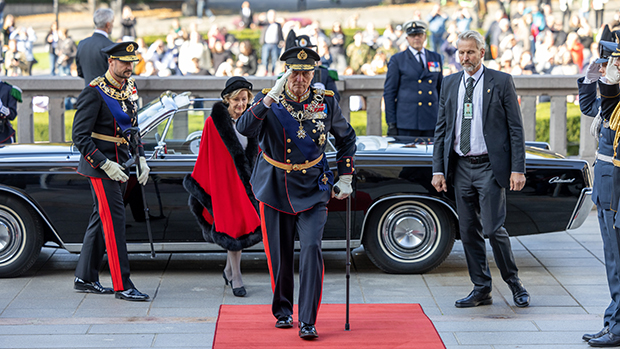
(582, 209)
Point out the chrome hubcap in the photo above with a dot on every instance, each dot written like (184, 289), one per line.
(11, 234)
(409, 232)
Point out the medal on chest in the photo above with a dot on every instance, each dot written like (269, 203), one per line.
(314, 111)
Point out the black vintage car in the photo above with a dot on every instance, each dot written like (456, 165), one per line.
(403, 223)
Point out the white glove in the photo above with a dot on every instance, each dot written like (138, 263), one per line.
(277, 89)
(143, 176)
(319, 85)
(612, 74)
(592, 73)
(114, 171)
(344, 184)
(595, 128)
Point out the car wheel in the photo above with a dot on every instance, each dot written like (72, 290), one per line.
(408, 236)
(21, 236)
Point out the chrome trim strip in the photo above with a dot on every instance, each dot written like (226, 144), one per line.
(180, 247)
(582, 209)
(403, 197)
(36, 208)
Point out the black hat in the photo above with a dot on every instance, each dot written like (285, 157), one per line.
(293, 40)
(123, 51)
(300, 58)
(414, 27)
(235, 83)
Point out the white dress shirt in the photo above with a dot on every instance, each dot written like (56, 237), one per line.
(415, 54)
(478, 146)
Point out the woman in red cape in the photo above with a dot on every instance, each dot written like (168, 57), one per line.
(221, 197)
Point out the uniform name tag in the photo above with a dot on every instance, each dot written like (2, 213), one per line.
(468, 110)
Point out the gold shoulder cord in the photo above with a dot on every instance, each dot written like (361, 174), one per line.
(614, 124)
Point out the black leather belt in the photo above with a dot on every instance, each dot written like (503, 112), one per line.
(479, 159)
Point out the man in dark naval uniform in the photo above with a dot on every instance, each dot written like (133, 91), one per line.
(412, 86)
(292, 180)
(9, 96)
(602, 110)
(105, 108)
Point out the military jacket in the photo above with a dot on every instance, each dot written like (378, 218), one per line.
(294, 191)
(94, 115)
(411, 91)
(9, 100)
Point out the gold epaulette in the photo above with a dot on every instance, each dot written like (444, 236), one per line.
(329, 93)
(265, 91)
(96, 81)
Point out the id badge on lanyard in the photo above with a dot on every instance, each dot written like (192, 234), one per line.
(468, 110)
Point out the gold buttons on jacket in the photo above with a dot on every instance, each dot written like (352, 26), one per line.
(314, 131)
(288, 161)
(288, 151)
(429, 104)
(430, 81)
(288, 171)
(348, 165)
(348, 160)
(419, 92)
(430, 92)
(419, 81)
(303, 171)
(419, 103)
(307, 161)
(288, 140)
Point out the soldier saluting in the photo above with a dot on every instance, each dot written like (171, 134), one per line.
(292, 180)
(105, 108)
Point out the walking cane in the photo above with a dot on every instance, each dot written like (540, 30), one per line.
(348, 258)
(131, 135)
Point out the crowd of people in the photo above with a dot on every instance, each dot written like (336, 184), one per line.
(521, 40)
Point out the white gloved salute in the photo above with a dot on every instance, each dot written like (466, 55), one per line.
(611, 73)
(344, 184)
(277, 89)
(114, 171)
(592, 73)
(143, 175)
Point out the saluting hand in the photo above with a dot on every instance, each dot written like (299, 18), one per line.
(517, 181)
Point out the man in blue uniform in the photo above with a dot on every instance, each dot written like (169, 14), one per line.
(292, 180)
(9, 96)
(412, 85)
(105, 108)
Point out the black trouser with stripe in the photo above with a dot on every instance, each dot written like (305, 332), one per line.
(106, 232)
(279, 230)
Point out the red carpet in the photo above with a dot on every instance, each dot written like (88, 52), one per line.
(372, 326)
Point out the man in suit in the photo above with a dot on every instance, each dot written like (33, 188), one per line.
(106, 108)
(412, 86)
(479, 149)
(292, 181)
(602, 109)
(91, 61)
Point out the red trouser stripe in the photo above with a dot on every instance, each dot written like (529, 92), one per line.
(108, 231)
(263, 226)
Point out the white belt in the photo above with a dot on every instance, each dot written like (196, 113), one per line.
(605, 158)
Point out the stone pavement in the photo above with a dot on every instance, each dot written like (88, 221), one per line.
(563, 271)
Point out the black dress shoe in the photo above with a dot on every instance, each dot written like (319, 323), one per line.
(607, 340)
(284, 322)
(91, 287)
(307, 331)
(586, 337)
(239, 291)
(474, 299)
(519, 294)
(131, 295)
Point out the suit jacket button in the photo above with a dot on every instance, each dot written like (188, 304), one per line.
(429, 104)
(430, 81)
(419, 92)
(419, 103)
(419, 81)
(288, 140)
(288, 151)
(430, 92)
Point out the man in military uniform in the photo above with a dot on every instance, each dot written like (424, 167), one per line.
(106, 108)
(292, 180)
(412, 86)
(324, 78)
(9, 96)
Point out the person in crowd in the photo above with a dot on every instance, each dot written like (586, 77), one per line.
(358, 53)
(25, 38)
(195, 47)
(214, 34)
(463, 20)
(162, 58)
(220, 55)
(196, 69)
(492, 36)
(370, 35)
(378, 65)
(247, 16)
(576, 50)
(388, 34)
(90, 59)
(106, 107)
(15, 62)
(448, 49)
(247, 62)
(51, 42)
(412, 86)
(481, 157)
(387, 48)
(202, 8)
(293, 186)
(323, 51)
(601, 109)
(566, 9)
(271, 39)
(149, 69)
(139, 66)
(599, 11)
(336, 47)
(9, 96)
(224, 206)
(7, 29)
(67, 50)
(128, 21)
(437, 26)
